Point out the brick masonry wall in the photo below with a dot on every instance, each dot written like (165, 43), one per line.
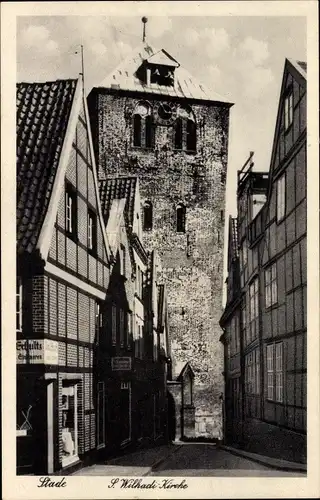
(192, 262)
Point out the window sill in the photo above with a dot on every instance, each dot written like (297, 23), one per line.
(187, 151)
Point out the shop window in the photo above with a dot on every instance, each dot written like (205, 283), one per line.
(143, 127)
(92, 231)
(69, 423)
(271, 288)
(18, 304)
(147, 216)
(71, 211)
(185, 133)
(181, 218)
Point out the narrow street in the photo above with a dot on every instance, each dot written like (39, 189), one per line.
(183, 461)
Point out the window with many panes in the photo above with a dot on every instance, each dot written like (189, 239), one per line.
(271, 289)
(252, 372)
(71, 211)
(92, 231)
(18, 304)
(281, 197)
(288, 110)
(252, 329)
(275, 372)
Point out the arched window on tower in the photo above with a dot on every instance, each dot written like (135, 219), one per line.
(147, 216)
(143, 128)
(181, 218)
(185, 133)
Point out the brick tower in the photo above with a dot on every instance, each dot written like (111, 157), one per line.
(150, 118)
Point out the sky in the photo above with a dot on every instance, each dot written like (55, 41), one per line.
(240, 58)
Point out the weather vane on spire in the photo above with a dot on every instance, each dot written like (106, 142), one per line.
(144, 20)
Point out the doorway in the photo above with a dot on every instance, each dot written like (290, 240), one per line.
(171, 417)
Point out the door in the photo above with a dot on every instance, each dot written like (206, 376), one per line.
(125, 411)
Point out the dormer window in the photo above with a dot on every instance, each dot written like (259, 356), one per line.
(161, 75)
(143, 129)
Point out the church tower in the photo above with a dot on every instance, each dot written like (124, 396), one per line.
(151, 119)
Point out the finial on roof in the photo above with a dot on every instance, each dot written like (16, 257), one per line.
(144, 20)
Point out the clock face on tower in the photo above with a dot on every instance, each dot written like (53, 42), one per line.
(165, 113)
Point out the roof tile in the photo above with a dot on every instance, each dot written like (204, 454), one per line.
(43, 111)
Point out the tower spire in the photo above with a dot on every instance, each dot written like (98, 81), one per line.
(144, 20)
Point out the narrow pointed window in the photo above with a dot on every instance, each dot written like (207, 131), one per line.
(181, 218)
(185, 137)
(147, 216)
(137, 130)
(191, 135)
(143, 128)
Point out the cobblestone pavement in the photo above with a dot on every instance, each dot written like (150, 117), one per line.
(183, 461)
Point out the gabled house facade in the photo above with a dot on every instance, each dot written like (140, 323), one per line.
(271, 236)
(63, 272)
(133, 365)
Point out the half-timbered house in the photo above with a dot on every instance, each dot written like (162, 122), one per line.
(63, 272)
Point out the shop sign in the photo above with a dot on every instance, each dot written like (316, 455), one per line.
(121, 363)
(38, 351)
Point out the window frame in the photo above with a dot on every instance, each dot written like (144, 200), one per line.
(271, 285)
(92, 239)
(281, 197)
(71, 222)
(288, 109)
(275, 372)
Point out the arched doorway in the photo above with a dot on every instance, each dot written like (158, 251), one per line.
(171, 417)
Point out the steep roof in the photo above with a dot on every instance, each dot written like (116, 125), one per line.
(43, 110)
(116, 188)
(300, 66)
(185, 85)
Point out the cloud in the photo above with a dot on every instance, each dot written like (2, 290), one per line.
(123, 49)
(217, 41)
(191, 37)
(256, 80)
(98, 48)
(257, 50)
(38, 37)
(157, 26)
(214, 73)
(213, 41)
